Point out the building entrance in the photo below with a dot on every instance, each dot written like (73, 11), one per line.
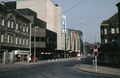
(1, 56)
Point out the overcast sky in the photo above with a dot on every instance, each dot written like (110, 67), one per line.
(87, 15)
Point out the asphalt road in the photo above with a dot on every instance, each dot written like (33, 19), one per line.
(64, 69)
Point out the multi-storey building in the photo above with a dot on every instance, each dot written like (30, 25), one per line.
(110, 40)
(38, 32)
(14, 35)
(73, 41)
(110, 29)
(46, 11)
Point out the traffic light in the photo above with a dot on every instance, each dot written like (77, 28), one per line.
(95, 53)
(95, 46)
(95, 50)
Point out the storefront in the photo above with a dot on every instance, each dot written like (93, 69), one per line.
(21, 56)
(1, 56)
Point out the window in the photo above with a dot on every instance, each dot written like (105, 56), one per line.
(8, 39)
(12, 24)
(105, 31)
(32, 38)
(23, 41)
(2, 37)
(11, 38)
(102, 40)
(27, 29)
(42, 39)
(106, 40)
(3, 22)
(26, 41)
(23, 28)
(16, 40)
(117, 30)
(8, 24)
(16, 26)
(102, 31)
(20, 41)
(112, 30)
(37, 39)
(113, 40)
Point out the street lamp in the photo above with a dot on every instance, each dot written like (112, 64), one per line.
(35, 43)
(82, 22)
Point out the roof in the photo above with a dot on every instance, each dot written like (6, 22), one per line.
(40, 23)
(27, 11)
(2, 7)
(113, 19)
(18, 14)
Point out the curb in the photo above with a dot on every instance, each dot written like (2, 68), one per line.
(76, 67)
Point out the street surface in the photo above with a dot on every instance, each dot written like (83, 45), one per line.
(59, 69)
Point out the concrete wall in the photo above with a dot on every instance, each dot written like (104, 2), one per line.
(57, 21)
(34, 5)
(40, 32)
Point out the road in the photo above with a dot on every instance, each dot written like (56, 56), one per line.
(63, 69)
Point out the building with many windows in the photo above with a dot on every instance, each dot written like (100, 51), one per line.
(38, 32)
(47, 11)
(110, 41)
(110, 29)
(14, 35)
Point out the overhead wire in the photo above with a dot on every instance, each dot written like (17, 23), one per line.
(69, 9)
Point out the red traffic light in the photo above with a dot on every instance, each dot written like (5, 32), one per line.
(95, 46)
(95, 53)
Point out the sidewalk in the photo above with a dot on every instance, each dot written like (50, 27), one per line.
(20, 64)
(100, 69)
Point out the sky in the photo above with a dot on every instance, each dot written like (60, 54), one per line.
(87, 15)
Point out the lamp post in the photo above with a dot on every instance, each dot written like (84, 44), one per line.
(82, 21)
(35, 43)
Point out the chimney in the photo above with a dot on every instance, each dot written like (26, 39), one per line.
(118, 6)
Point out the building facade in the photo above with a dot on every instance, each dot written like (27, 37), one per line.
(73, 41)
(46, 11)
(14, 35)
(110, 41)
(38, 33)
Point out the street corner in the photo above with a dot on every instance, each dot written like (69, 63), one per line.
(100, 69)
